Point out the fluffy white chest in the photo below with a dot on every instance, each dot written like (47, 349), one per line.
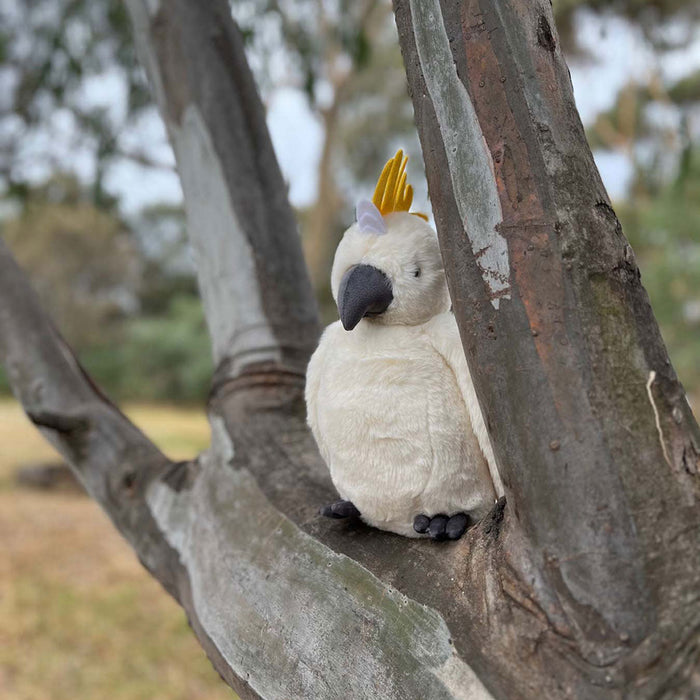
(393, 426)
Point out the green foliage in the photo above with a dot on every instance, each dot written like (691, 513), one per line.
(687, 90)
(652, 16)
(51, 52)
(156, 358)
(153, 358)
(160, 357)
(126, 300)
(82, 260)
(663, 231)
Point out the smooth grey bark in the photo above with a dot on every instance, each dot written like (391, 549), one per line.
(235, 197)
(284, 604)
(538, 599)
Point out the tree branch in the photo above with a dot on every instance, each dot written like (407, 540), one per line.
(112, 458)
(557, 328)
(252, 580)
(257, 296)
(538, 600)
(235, 536)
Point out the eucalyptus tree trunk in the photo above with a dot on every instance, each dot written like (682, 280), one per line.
(584, 583)
(595, 441)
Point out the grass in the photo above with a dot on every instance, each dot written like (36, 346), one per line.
(79, 617)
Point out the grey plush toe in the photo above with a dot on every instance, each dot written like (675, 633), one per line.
(421, 523)
(437, 528)
(340, 509)
(456, 526)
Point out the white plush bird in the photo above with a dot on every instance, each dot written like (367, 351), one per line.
(389, 396)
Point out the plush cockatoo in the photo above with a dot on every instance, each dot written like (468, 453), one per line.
(389, 396)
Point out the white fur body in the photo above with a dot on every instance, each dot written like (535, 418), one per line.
(391, 403)
(390, 418)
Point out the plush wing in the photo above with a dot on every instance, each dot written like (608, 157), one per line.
(314, 373)
(444, 335)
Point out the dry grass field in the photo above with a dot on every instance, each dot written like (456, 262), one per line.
(80, 619)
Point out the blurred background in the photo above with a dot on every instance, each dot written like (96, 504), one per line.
(91, 206)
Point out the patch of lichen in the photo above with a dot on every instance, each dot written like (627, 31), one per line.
(615, 349)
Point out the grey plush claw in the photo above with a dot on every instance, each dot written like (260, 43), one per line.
(340, 509)
(421, 523)
(441, 527)
(457, 526)
(437, 527)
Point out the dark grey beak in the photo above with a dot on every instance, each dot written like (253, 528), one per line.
(364, 291)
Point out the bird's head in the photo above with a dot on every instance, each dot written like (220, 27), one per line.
(388, 268)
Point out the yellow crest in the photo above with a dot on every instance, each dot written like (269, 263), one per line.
(392, 192)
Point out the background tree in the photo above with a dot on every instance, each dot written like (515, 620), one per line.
(73, 104)
(84, 262)
(346, 61)
(52, 53)
(583, 584)
(653, 17)
(345, 58)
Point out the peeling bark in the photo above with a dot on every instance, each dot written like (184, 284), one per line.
(235, 196)
(604, 464)
(582, 585)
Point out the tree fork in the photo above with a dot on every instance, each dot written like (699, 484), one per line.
(596, 443)
(601, 471)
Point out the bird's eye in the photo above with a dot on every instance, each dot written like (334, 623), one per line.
(416, 272)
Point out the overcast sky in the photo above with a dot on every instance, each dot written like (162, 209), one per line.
(621, 55)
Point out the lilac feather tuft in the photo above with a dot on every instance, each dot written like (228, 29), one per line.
(369, 218)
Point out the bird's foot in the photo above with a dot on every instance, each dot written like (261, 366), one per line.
(340, 509)
(441, 527)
